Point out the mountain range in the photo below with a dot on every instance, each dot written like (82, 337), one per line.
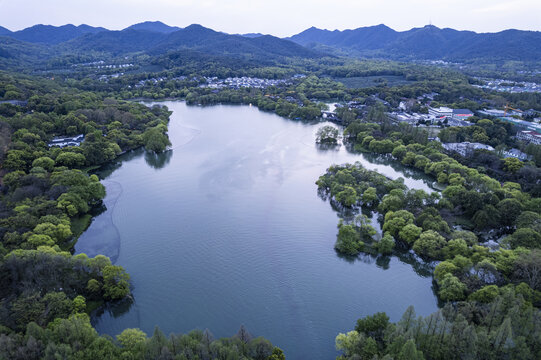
(39, 43)
(429, 43)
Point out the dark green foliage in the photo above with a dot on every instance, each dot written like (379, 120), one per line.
(503, 327)
(74, 338)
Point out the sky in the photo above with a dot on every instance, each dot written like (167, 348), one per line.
(277, 17)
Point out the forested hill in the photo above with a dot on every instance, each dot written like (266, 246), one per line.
(429, 43)
(154, 39)
(156, 26)
(48, 34)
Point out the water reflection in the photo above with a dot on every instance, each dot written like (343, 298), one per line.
(115, 310)
(158, 161)
(328, 147)
(230, 230)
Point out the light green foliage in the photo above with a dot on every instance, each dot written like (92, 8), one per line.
(71, 160)
(486, 294)
(115, 282)
(132, 339)
(410, 233)
(156, 139)
(386, 245)
(369, 196)
(429, 245)
(524, 237)
(451, 288)
(444, 268)
(349, 343)
(348, 240)
(512, 165)
(455, 247)
(79, 304)
(347, 197)
(59, 233)
(395, 221)
(44, 162)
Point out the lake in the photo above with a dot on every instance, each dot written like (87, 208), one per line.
(227, 229)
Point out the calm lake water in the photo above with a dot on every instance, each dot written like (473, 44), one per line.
(227, 229)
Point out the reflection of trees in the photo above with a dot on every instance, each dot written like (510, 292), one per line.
(396, 165)
(158, 160)
(327, 147)
(116, 309)
(109, 168)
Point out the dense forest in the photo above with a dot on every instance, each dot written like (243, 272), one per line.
(46, 200)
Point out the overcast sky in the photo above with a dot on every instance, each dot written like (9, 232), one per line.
(277, 17)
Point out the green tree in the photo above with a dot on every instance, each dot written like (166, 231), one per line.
(327, 135)
(347, 197)
(156, 139)
(348, 240)
(451, 288)
(410, 233)
(429, 245)
(115, 282)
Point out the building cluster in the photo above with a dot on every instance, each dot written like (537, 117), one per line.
(507, 86)
(62, 142)
(532, 137)
(435, 116)
(455, 115)
(516, 153)
(154, 81)
(242, 82)
(466, 148)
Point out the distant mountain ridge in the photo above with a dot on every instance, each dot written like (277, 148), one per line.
(48, 34)
(151, 38)
(154, 26)
(429, 43)
(39, 43)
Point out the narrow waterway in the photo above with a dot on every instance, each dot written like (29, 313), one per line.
(227, 229)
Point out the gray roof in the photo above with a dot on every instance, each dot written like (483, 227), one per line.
(462, 111)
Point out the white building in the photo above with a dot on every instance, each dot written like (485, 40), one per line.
(440, 112)
(515, 153)
(466, 148)
(67, 141)
(530, 137)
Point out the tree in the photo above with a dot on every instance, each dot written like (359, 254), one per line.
(486, 294)
(524, 237)
(348, 240)
(410, 233)
(512, 165)
(373, 325)
(327, 135)
(409, 352)
(369, 196)
(71, 159)
(386, 245)
(395, 221)
(347, 197)
(349, 343)
(429, 244)
(132, 339)
(156, 139)
(45, 162)
(451, 289)
(511, 209)
(528, 268)
(115, 282)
